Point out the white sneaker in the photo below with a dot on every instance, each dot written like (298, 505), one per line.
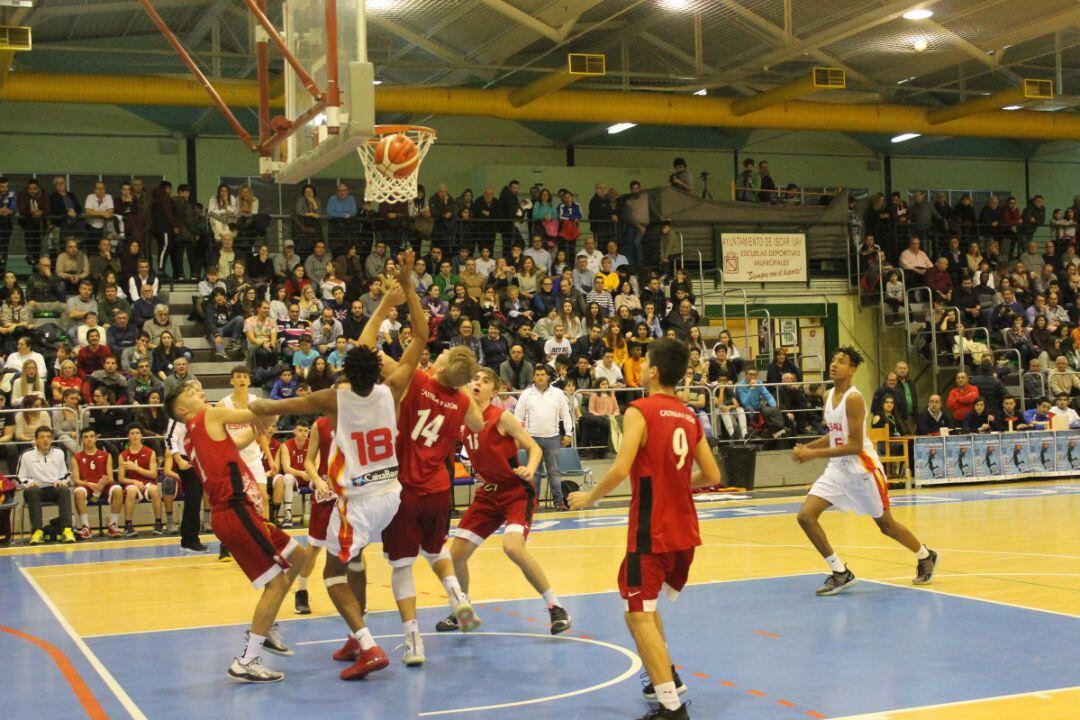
(253, 672)
(414, 650)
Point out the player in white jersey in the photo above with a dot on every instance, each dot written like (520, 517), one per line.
(253, 454)
(854, 479)
(362, 465)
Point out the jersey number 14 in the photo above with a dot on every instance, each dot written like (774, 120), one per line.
(429, 431)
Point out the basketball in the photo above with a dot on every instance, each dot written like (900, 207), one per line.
(396, 156)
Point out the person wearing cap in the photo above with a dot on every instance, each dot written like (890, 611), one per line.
(286, 260)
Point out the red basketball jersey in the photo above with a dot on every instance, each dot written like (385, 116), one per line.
(326, 441)
(296, 455)
(274, 445)
(225, 476)
(429, 425)
(662, 514)
(494, 455)
(92, 468)
(141, 458)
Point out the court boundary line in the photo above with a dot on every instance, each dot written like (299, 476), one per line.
(887, 714)
(99, 667)
(491, 601)
(635, 666)
(1002, 603)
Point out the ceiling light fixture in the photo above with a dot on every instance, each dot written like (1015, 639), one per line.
(377, 5)
(905, 137)
(376, 82)
(1013, 107)
(905, 80)
(620, 127)
(919, 14)
(921, 45)
(675, 4)
(702, 91)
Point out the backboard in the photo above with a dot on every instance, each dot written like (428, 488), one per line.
(327, 132)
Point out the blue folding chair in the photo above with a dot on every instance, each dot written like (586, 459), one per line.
(570, 466)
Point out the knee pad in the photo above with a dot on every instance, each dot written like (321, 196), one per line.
(443, 554)
(80, 491)
(357, 565)
(401, 580)
(334, 580)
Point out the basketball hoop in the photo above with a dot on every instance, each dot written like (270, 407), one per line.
(383, 184)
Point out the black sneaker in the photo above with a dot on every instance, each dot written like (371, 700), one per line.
(224, 555)
(838, 582)
(159, 528)
(560, 619)
(195, 548)
(447, 624)
(650, 692)
(924, 573)
(302, 606)
(129, 530)
(662, 713)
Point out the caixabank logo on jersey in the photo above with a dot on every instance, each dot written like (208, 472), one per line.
(389, 473)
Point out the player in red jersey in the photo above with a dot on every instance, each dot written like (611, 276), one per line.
(662, 439)
(291, 475)
(505, 494)
(138, 473)
(92, 473)
(316, 467)
(363, 465)
(431, 414)
(261, 550)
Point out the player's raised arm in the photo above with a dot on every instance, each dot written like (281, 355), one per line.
(401, 376)
(708, 473)
(319, 402)
(633, 437)
(392, 297)
(512, 427)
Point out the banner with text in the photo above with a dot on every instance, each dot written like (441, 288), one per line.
(764, 257)
(996, 456)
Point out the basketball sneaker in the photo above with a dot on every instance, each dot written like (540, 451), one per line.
(368, 662)
(447, 624)
(37, 537)
(838, 582)
(662, 713)
(650, 692)
(414, 650)
(159, 528)
(924, 573)
(253, 672)
(467, 618)
(84, 532)
(129, 530)
(349, 652)
(67, 536)
(560, 619)
(114, 531)
(273, 642)
(195, 548)
(224, 555)
(302, 606)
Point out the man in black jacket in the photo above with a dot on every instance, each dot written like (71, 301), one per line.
(602, 216)
(1033, 217)
(888, 389)
(990, 387)
(780, 366)
(932, 419)
(590, 346)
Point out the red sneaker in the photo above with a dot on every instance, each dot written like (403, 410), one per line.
(84, 532)
(349, 652)
(368, 662)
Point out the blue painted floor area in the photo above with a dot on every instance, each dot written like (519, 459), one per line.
(879, 647)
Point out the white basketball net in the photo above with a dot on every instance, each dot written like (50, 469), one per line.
(385, 188)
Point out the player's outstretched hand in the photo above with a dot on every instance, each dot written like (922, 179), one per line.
(579, 501)
(523, 472)
(394, 293)
(408, 259)
(800, 453)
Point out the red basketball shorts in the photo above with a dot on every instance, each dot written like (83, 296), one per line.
(643, 576)
(260, 548)
(421, 525)
(489, 510)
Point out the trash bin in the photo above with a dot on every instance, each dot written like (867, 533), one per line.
(739, 465)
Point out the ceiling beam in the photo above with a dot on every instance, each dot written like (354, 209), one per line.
(841, 31)
(429, 46)
(556, 35)
(205, 22)
(778, 37)
(444, 22)
(100, 8)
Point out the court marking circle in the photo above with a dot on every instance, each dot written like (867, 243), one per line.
(635, 667)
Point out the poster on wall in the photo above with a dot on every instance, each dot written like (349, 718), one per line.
(1014, 453)
(789, 332)
(1042, 456)
(812, 343)
(929, 460)
(959, 459)
(1068, 452)
(987, 449)
(764, 257)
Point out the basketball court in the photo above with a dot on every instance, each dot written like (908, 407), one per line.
(139, 630)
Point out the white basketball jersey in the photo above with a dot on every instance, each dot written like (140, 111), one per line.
(363, 459)
(837, 421)
(252, 453)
